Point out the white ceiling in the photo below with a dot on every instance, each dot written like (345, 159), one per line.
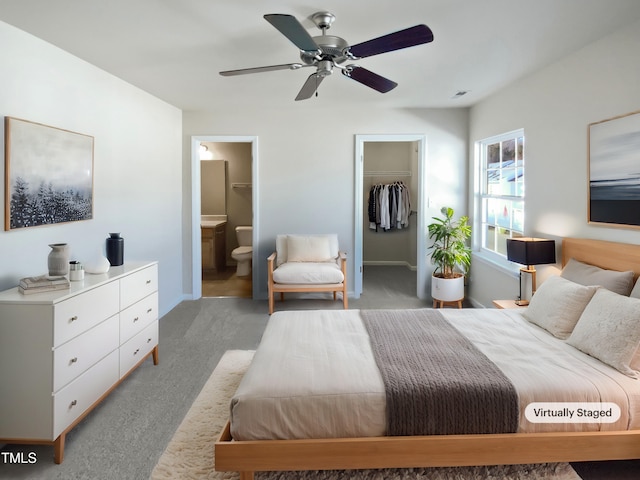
(174, 49)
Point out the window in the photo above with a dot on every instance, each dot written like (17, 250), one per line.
(501, 191)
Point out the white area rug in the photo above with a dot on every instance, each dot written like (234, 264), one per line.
(189, 454)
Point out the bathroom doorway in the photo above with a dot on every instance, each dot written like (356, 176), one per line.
(223, 199)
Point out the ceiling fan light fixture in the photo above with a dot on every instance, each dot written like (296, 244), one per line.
(325, 68)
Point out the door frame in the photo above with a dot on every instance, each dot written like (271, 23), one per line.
(196, 242)
(421, 261)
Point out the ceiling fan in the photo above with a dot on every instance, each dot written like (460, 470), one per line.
(326, 52)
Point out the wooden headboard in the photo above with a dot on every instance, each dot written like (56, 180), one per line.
(603, 254)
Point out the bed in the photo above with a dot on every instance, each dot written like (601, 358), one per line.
(356, 438)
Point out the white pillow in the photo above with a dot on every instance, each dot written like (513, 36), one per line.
(557, 305)
(635, 293)
(609, 330)
(585, 274)
(308, 248)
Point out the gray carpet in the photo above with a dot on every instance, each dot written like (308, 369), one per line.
(124, 437)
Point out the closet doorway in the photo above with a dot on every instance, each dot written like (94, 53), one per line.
(385, 161)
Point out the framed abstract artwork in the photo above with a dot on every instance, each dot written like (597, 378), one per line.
(48, 175)
(614, 171)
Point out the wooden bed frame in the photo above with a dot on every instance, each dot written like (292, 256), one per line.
(247, 457)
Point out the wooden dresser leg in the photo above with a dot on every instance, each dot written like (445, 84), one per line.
(246, 475)
(155, 355)
(58, 448)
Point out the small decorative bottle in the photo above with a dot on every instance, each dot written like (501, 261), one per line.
(115, 249)
(58, 260)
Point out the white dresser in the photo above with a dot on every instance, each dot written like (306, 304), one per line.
(62, 352)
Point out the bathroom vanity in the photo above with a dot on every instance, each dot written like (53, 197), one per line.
(213, 230)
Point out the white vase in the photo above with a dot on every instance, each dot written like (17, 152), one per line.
(97, 265)
(447, 289)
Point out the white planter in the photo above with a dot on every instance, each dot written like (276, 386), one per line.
(447, 289)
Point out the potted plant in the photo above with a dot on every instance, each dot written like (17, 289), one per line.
(450, 254)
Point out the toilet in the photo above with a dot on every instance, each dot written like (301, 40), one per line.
(242, 255)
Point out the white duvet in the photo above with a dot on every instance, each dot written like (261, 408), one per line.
(314, 375)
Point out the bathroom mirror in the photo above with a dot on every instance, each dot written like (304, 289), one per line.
(213, 178)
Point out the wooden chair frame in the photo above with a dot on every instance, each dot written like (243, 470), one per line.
(282, 288)
(248, 457)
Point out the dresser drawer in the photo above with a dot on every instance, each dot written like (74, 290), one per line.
(78, 314)
(78, 355)
(136, 348)
(138, 316)
(138, 285)
(74, 399)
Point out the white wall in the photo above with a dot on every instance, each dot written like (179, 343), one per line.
(137, 161)
(306, 165)
(555, 106)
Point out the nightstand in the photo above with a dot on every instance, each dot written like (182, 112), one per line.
(507, 304)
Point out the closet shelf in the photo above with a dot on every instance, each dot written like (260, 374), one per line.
(385, 173)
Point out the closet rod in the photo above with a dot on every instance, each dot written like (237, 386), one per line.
(394, 173)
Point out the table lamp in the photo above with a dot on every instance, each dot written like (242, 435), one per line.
(530, 252)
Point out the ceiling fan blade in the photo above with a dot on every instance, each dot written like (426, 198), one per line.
(408, 37)
(310, 86)
(370, 79)
(291, 28)
(269, 68)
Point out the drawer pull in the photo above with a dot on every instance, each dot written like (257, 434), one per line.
(149, 310)
(148, 282)
(73, 360)
(74, 318)
(73, 404)
(136, 319)
(136, 352)
(148, 340)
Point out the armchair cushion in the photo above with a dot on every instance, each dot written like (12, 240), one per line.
(308, 273)
(282, 246)
(308, 248)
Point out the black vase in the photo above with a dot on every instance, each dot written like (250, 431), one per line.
(115, 249)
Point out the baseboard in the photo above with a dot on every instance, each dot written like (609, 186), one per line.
(390, 263)
(475, 303)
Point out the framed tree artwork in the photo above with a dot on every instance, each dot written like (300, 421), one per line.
(48, 175)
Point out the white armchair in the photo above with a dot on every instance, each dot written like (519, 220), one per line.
(307, 263)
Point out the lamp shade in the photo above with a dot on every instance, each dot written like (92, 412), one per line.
(531, 251)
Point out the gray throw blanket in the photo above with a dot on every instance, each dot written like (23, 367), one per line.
(436, 380)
